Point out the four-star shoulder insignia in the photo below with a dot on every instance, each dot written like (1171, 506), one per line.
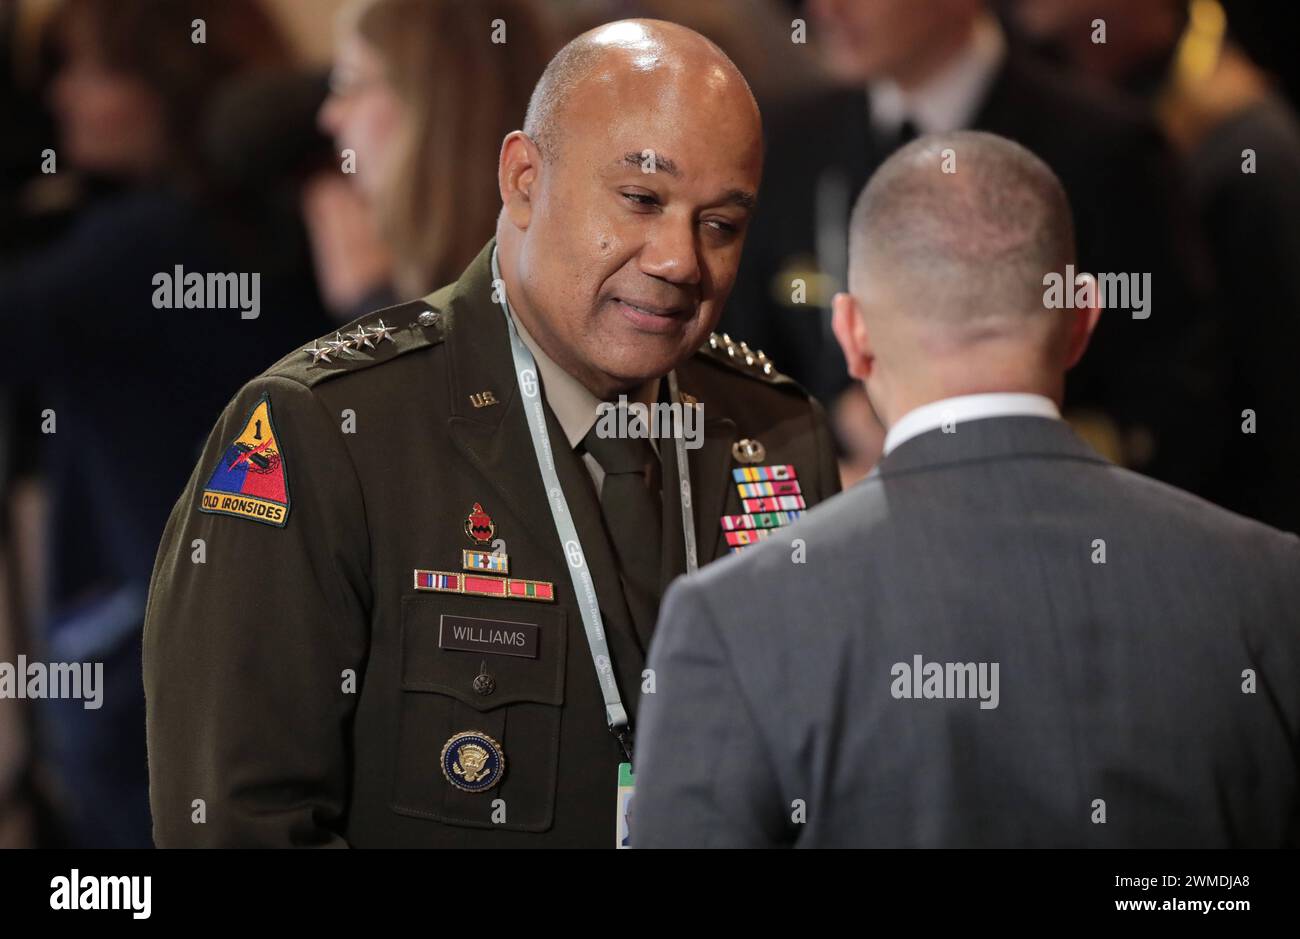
(372, 340)
(317, 353)
(738, 354)
(361, 339)
(339, 346)
(381, 331)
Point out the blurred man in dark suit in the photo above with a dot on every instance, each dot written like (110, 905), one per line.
(1000, 638)
(1239, 142)
(909, 68)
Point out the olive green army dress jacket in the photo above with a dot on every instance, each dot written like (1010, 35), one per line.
(361, 627)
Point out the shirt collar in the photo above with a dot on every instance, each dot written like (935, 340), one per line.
(573, 404)
(948, 100)
(962, 408)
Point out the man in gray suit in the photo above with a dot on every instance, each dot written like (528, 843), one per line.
(998, 638)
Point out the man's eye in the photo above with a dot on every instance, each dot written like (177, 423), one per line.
(640, 198)
(719, 225)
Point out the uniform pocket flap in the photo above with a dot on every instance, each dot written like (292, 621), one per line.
(484, 653)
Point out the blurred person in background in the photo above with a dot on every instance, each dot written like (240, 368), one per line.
(26, 129)
(1240, 141)
(907, 68)
(422, 95)
(125, 389)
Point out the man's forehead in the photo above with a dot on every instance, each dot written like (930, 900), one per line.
(650, 161)
(672, 94)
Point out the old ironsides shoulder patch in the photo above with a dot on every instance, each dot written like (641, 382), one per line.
(249, 481)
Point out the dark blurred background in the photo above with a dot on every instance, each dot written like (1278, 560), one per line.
(345, 152)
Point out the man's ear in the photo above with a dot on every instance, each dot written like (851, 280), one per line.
(851, 330)
(517, 171)
(1083, 321)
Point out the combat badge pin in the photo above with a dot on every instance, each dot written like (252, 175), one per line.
(748, 451)
(472, 761)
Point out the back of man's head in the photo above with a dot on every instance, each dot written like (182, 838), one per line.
(949, 246)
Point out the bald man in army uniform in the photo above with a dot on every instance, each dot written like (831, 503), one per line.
(407, 596)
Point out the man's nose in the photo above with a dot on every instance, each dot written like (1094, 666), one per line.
(672, 253)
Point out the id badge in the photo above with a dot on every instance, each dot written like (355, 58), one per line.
(623, 816)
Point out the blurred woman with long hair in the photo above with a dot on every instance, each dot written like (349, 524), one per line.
(126, 387)
(422, 93)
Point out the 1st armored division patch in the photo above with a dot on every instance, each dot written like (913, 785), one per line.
(250, 480)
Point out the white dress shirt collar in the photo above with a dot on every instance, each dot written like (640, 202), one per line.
(963, 408)
(950, 99)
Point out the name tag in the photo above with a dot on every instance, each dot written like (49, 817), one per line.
(470, 634)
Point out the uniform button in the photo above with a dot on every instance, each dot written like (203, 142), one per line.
(484, 683)
(427, 318)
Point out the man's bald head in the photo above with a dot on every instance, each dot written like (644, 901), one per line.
(959, 229)
(626, 199)
(951, 242)
(622, 49)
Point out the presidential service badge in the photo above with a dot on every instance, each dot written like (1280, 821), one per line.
(472, 761)
(249, 480)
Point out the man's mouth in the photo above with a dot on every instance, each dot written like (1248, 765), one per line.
(652, 317)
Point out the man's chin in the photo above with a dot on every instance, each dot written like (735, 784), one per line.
(627, 373)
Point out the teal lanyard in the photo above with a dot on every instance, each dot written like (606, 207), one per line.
(584, 589)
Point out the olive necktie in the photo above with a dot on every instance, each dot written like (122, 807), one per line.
(633, 510)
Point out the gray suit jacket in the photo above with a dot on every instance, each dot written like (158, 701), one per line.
(1145, 696)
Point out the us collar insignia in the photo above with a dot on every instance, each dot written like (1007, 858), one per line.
(472, 761)
(249, 480)
(770, 497)
(479, 568)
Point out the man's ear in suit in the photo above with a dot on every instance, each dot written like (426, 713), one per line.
(851, 331)
(1083, 321)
